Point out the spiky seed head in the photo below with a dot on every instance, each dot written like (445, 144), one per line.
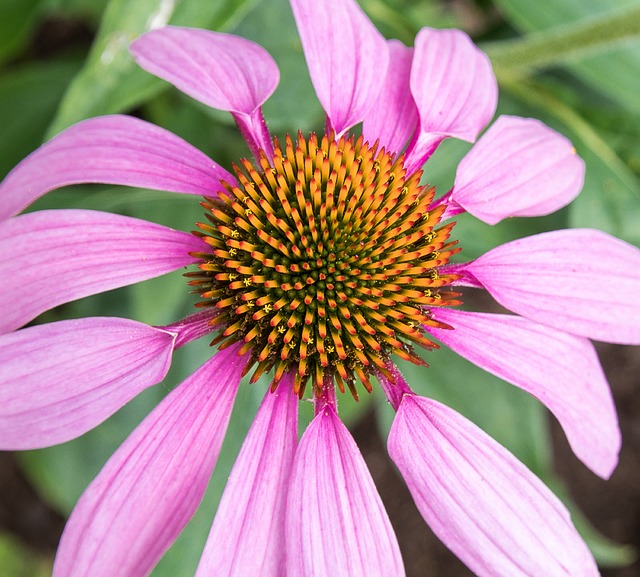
(324, 261)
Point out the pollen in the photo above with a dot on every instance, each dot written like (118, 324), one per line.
(324, 261)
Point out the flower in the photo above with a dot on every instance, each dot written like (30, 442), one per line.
(321, 261)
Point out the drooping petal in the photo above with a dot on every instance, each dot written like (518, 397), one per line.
(346, 57)
(223, 71)
(485, 505)
(112, 150)
(60, 380)
(57, 256)
(152, 485)
(559, 369)
(336, 523)
(520, 167)
(247, 537)
(394, 116)
(454, 89)
(580, 281)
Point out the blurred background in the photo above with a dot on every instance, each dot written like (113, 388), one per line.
(573, 63)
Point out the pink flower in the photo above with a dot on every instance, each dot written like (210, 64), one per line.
(320, 262)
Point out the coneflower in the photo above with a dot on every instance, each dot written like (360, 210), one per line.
(320, 262)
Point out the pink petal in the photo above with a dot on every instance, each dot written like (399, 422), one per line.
(520, 167)
(580, 281)
(192, 327)
(247, 537)
(454, 89)
(220, 70)
(145, 494)
(485, 505)
(336, 523)
(113, 150)
(223, 71)
(395, 387)
(346, 57)
(394, 116)
(60, 380)
(559, 369)
(57, 256)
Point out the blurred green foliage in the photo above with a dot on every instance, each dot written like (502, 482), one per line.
(17, 561)
(62, 61)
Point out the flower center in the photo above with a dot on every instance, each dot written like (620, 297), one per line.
(324, 261)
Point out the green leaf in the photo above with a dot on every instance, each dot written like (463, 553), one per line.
(16, 24)
(29, 96)
(111, 81)
(614, 72)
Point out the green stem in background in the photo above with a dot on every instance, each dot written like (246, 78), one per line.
(535, 94)
(382, 12)
(522, 56)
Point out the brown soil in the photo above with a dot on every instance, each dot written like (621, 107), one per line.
(23, 513)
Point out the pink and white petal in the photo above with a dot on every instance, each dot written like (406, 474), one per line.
(192, 327)
(581, 281)
(62, 255)
(346, 57)
(393, 384)
(454, 88)
(248, 531)
(485, 505)
(336, 523)
(112, 150)
(223, 71)
(145, 494)
(255, 132)
(394, 117)
(561, 370)
(520, 167)
(58, 381)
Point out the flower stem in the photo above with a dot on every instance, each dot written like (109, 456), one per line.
(522, 56)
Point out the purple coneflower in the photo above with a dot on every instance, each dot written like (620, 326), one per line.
(322, 260)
